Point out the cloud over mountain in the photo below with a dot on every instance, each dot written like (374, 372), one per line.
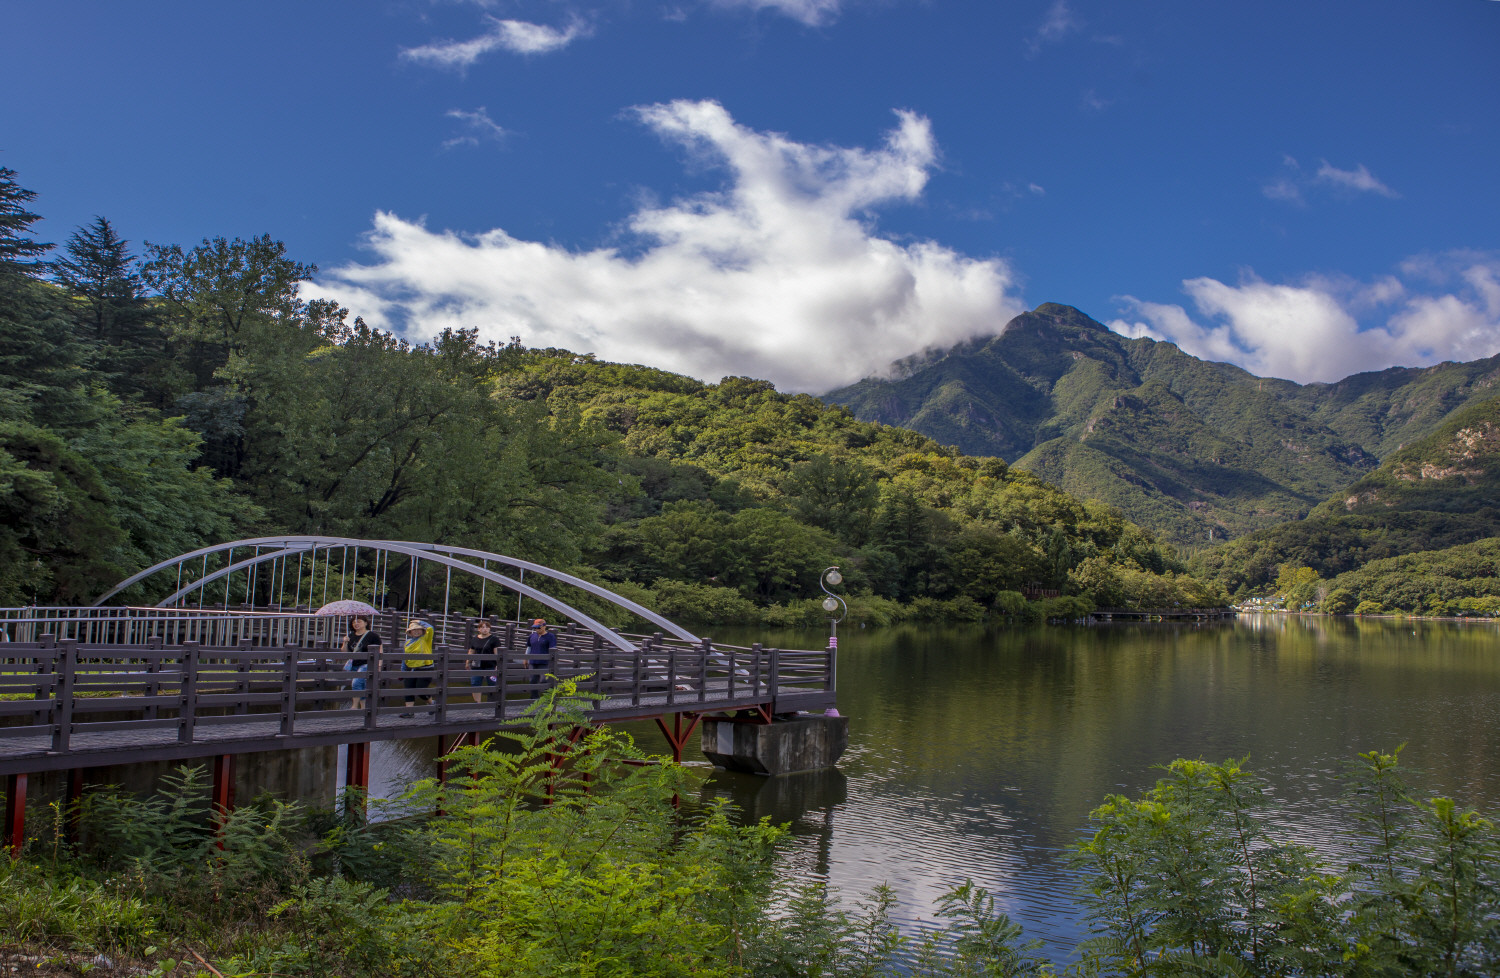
(780, 274)
(1435, 308)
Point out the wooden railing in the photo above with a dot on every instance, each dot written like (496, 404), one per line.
(104, 686)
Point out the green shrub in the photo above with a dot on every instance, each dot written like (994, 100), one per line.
(1009, 603)
(1340, 601)
(703, 603)
(806, 613)
(963, 609)
(870, 609)
(1066, 607)
(1192, 878)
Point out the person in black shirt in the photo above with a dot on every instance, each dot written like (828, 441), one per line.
(359, 645)
(482, 644)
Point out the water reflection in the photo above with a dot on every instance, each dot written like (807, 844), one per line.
(978, 753)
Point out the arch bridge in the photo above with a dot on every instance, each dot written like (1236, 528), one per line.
(234, 657)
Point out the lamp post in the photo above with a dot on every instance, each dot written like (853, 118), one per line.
(833, 603)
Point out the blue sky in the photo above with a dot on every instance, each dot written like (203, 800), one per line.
(804, 190)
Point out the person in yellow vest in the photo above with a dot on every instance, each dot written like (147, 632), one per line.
(418, 651)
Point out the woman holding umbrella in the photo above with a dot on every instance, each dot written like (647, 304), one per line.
(360, 645)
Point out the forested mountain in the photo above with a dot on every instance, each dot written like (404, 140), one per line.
(1195, 450)
(152, 404)
(1439, 493)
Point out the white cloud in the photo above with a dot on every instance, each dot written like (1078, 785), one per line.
(813, 13)
(1293, 183)
(779, 274)
(1094, 101)
(1283, 189)
(516, 36)
(1323, 329)
(1359, 179)
(477, 126)
(1058, 24)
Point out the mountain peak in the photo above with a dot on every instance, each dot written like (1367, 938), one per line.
(1067, 314)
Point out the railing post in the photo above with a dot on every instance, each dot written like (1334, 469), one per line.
(374, 688)
(599, 664)
(289, 666)
(730, 674)
(775, 675)
(638, 669)
(502, 687)
(671, 672)
(445, 679)
(188, 705)
(154, 647)
(755, 657)
(62, 693)
(321, 666)
(42, 696)
(703, 651)
(242, 670)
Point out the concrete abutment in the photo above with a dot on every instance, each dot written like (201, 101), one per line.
(804, 743)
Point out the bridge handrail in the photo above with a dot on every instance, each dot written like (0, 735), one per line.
(65, 702)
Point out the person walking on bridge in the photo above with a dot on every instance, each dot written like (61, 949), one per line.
(418, 651)
(539, 646)
(483, 645)
(359, 645)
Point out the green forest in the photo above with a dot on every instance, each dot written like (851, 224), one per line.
(157, 398)
(1415, 536)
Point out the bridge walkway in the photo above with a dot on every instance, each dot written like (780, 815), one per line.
(92, 687)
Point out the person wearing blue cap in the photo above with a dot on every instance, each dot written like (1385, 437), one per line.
(539, 646)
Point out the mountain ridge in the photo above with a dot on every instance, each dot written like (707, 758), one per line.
(1198, 450)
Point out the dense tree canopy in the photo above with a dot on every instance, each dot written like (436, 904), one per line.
(152, 406)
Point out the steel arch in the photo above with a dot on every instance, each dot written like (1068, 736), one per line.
(438, 553)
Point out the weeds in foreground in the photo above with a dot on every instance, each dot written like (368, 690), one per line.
(558, 856)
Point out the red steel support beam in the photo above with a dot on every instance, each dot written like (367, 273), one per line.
(677, 737)
(357, 766)
(466, 739)
(357, 771)
(222, 801)
(15, 813)
(557, 759)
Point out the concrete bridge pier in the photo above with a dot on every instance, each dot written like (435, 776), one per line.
(782, 746)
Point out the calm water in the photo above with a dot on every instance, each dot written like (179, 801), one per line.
(978, 753)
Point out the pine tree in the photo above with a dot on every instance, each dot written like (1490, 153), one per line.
(19, 252)
(98, 268)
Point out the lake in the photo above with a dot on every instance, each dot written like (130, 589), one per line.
(977, 753)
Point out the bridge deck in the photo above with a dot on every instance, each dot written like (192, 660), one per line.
(263, 682)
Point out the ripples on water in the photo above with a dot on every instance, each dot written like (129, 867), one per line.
(978, 754)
